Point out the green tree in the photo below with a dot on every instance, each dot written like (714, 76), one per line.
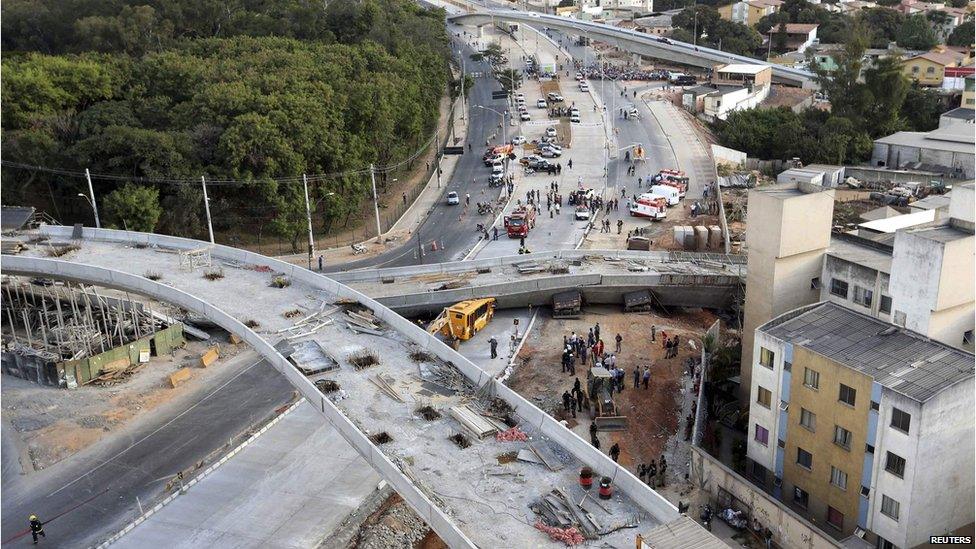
(887, 87)
(511, 79)
(922, 108)
(883, 24)
(963, 35)
(133, 207)
(916, 33)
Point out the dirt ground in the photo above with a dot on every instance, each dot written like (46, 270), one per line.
(653, 413)
(53, 424)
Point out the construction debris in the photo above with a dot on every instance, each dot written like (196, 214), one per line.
(513, 434)
(474, 422)
(385, 386)
(569, 536)
(327, 386)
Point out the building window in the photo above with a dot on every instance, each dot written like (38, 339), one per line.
(764, 397)
(847, 395)
(901, 420)
(801, 497)
(787, 366)
(868, 449)
(930, 70)
(838, 288)
(875, 406)
(895, 465)
(811, 378)
(838, 478)
(863, 296)
(815, 283)
(766, 357)
(967, 337)
(835, 518)
(759, 472)
(804, 459)
(915, 69)
(885, 306)
(889, 507)
(842, 437)
(808, 419)
(762, 435)
(865, 492)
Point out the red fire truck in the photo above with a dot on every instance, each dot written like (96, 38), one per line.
(518, 223)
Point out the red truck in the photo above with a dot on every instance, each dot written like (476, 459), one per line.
(518, 223)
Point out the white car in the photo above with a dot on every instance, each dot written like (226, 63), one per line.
(579, 76)
(520, 95)
(573, 110)
(553, 146)
(550, 132)
(582, 213)
(541, 104)
(574, 118)
(453, 199)
(584, 87)
(525, 117)
(518, 140)
(521, 108)
(554, 97)
(550, 153)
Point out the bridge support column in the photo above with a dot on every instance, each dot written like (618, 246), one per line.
(635, 58)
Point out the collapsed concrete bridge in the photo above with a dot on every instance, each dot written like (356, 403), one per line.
(371, 353)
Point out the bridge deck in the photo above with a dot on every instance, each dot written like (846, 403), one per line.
(487, 500)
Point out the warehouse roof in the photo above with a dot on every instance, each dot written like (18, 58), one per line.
(901, 360)
(923, 140)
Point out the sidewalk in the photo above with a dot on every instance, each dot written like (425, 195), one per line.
(290, 488)
(418, 210)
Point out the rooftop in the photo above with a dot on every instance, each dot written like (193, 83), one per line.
(933, 202)
(683, 533)
(924, 141)
(860, 253)
(743, 68)
(898, 359)
(892, 224)
(940, 231)
(796, 28)
(961, 113)
(780, 190)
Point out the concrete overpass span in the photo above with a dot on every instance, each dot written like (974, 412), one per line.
(637, 42)
(676, 279)
(459, 492)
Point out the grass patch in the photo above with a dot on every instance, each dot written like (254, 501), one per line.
(459, 439)
(327, 386)
(292, 313)
(213, 274)
(421, 356)
(280, 282)
(428, 413)
(252, 324)
(152, 275)
(381, 438)
(363, 359)
(63, 250)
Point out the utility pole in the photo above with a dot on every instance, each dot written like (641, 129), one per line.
(308, 216)
(91, 191)
(206, 206)
(376, 203)
(437, 156)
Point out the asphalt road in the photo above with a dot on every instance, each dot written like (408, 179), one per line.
(140, 463)
(454, 238)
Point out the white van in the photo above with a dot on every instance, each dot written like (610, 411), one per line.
(584, 86)
(670, 193)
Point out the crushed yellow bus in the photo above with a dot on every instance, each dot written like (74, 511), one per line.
(461, 321)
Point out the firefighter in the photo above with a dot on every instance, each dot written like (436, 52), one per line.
(36, 528)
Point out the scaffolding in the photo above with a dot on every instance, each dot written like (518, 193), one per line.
(197, 257)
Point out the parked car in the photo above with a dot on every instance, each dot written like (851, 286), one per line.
(582, 213)
(453, 199)
(520, 95)
(584, 86)
(526, 160)
(553, 146)
(525, 117)
(550, 132)
(541, 104)
(550, 153)
(554, 97)
(518, 140)
(493, 159)
(574, 118)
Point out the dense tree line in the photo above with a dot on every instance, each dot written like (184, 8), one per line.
(714, 32)
(865, 103)
(233, 90)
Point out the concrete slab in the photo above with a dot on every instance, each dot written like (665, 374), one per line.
(267, 495)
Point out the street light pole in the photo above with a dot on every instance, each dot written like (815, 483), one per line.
(206, 206)
(376, 203)
(94, 205)
(308, 217)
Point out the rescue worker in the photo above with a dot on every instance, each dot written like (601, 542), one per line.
(615, 452)
(494, 347)
(36, 528)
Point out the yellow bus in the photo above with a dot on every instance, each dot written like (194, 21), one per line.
(461, 321)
